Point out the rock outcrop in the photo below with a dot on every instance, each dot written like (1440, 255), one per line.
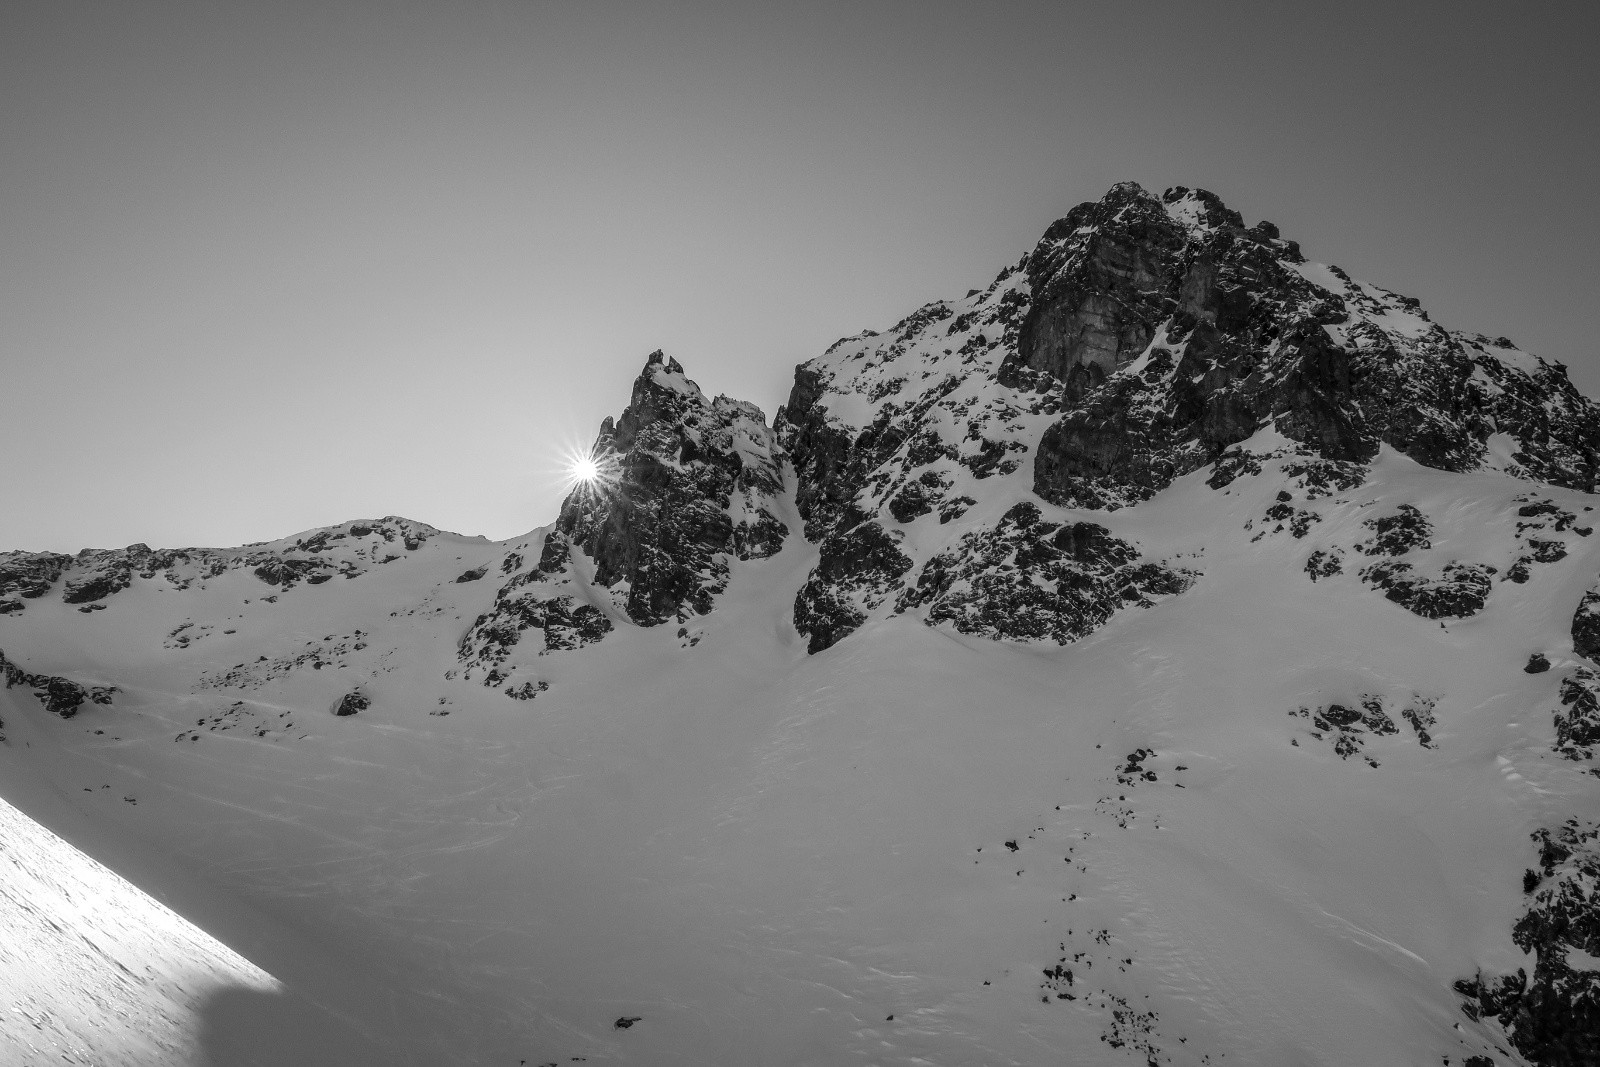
(1586, 626)
(1029, 579)
(859, 569)
(1553, 1015)
(686, 484)
(60, 696)
(1169, 330)
(95, 575)
(29, 575)
(1145, 337)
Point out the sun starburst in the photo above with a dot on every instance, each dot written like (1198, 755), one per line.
(590, 472)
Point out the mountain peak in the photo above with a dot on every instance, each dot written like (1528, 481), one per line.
(1144, 338)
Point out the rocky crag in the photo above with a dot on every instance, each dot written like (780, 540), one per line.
(1142, 339)
(686, 484)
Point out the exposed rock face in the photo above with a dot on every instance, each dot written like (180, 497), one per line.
(1577, 722)
(1143, 338)
(858, 571)
(60, 696)
(276, 570)
(895, 431)
(1552, 1017)
(1099, 279)
(1028, 579)
(1460, 590)
(1203, 331)
(352, 702)
(687, 484)
(1586, 626)
(30, 575)
(696, 482)
(899, 424)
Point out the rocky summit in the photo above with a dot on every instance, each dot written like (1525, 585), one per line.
(1175, 618)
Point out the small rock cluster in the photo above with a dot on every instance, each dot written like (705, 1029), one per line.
(1351, 726)
(1459, 591)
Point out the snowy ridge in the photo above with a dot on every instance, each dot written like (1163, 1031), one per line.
(348, 550)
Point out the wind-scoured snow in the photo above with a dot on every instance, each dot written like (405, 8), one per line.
(96, 970)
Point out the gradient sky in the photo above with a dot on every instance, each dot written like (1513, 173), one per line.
(272, 266)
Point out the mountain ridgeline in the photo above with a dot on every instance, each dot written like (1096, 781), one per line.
(1144, 338)
(974, 468)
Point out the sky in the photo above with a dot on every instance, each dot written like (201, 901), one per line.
(271, 266)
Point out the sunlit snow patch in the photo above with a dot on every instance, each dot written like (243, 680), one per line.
(94, 969)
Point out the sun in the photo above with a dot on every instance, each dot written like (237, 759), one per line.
(589, 472)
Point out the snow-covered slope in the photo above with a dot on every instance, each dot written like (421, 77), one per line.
(97, 971)
(1174, 653)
